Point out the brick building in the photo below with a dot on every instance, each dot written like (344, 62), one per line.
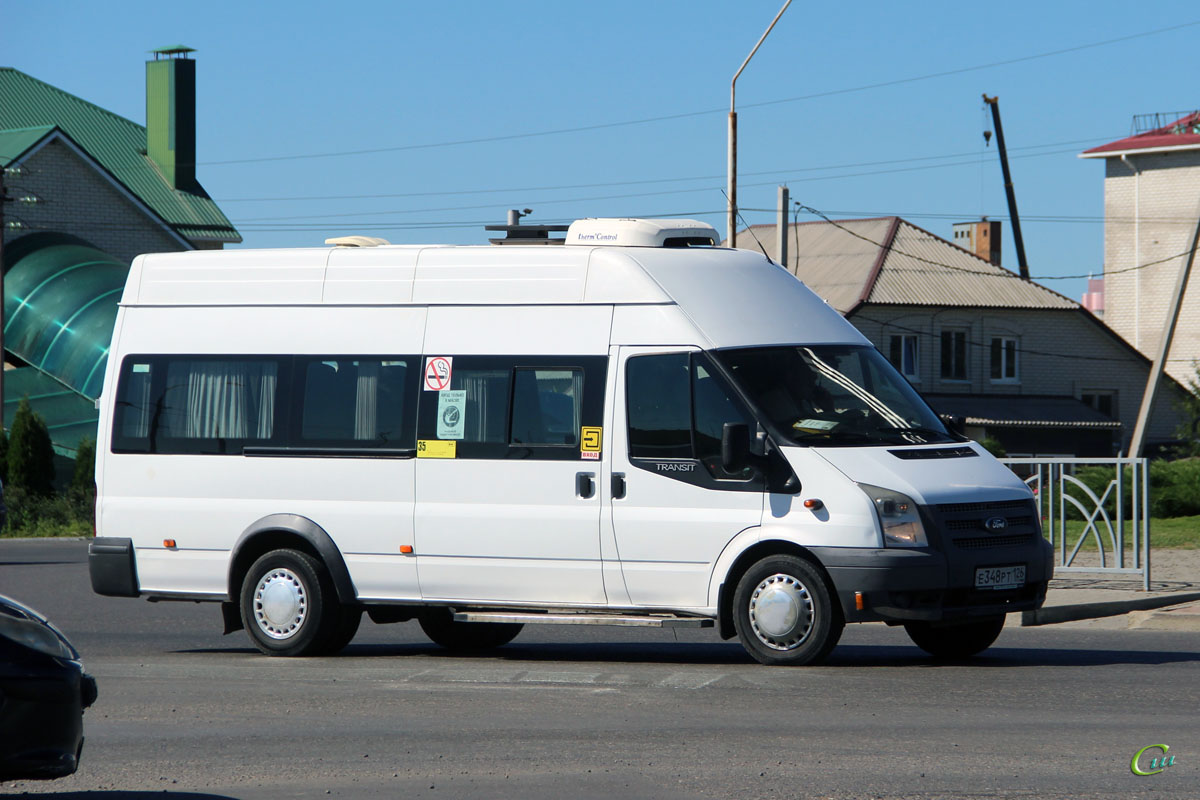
(88, 190)
(1151, 207)
(1017, 361)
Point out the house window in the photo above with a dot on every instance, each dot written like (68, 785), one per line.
(954, 355)
(903, 353)
(1004, 359)
(1103, 400)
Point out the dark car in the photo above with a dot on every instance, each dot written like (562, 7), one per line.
(43, 692)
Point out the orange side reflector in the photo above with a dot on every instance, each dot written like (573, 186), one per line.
(859, 603)
(406, 548)
(168, 542)
(813, 504)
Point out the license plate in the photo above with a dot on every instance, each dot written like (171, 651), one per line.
(1000, 577)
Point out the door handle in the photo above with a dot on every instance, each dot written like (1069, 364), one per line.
(585, 486)
(618, 486)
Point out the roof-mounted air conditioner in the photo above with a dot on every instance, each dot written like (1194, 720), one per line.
(642, 233)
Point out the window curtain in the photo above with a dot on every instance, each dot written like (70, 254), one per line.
(487, 404)
(366, 404)
(135, 419)
(220, 400)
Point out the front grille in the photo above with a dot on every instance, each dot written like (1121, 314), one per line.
(977, 524)
(972, 508)
(1012, 540)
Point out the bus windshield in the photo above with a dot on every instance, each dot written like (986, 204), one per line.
(834, 395)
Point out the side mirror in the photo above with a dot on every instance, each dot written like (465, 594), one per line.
(735, 446)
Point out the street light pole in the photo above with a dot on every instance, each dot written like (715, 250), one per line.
(731, 168)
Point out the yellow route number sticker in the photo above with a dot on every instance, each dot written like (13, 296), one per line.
(432, 448)
(589, 443)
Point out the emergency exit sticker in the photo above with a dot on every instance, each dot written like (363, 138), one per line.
(437, 373)
(589, 443)
(432, 448)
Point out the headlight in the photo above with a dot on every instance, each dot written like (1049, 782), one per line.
(898, 517)
(36, 636)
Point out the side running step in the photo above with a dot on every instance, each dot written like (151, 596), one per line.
(574, 618)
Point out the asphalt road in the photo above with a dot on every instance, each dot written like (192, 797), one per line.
(605, 712)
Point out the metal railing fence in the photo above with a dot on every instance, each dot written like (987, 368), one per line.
(1062, 496)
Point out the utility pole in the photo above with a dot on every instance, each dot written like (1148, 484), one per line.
(1008, 186)
(731, 165)
(781, 228)
(1164, 347)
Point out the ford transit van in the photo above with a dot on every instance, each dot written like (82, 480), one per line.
(638, 427)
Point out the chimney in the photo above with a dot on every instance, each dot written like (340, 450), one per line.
(171, 115)
(1093, 298)
(981, 238)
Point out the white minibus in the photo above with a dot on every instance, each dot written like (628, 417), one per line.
(636, 427)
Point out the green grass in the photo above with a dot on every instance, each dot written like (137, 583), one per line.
(1170, 532)
(45, 529)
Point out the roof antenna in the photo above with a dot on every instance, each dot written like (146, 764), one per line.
(738, 211)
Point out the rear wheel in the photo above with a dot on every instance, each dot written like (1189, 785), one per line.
(290, 607)
(955, 641)
(784, 612)
(439, 625)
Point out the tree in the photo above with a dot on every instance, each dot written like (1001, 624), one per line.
(993, 446)
(30, 453)
(84, 479)
(1188, 431)
(3, 455)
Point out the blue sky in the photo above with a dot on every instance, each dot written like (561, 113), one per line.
(282, 86)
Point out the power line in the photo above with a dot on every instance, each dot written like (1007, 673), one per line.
(1001, 273)
(680, 190)
(957, 217)
(689, 114)
(640, 182)
(1023, 351)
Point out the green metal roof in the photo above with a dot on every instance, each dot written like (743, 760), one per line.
(60, 305)
(18, 140)
(117, 144)
(69, 415)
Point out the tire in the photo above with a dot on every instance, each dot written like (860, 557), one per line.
(440, 627)
(348, 623)
(290, 608)
(955, 641)
(784, 613)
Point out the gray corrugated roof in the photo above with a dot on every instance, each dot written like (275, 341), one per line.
(888, 260)
(117, 144)
(1022, 411)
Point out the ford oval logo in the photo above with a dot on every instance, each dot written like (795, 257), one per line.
(996, 524)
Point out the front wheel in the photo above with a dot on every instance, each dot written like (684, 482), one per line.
(439, 625)
(290, 607)
(955, 641)
(784, 612)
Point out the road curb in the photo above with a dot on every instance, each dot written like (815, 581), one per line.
(1051, 615)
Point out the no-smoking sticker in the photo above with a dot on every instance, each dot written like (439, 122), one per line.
(437, 373)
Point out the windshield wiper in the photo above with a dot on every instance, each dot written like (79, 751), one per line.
(832, 437)
(928, 432)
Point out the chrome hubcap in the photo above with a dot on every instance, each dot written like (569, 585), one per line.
(781, 612)
(280, 604)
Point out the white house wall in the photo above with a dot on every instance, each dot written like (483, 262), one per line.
(1151, 205)
(1061, 353)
